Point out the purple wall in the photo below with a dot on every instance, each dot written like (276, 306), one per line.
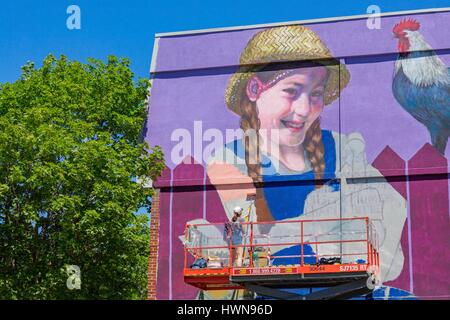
(191, 75)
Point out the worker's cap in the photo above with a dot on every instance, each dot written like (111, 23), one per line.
(237, 210)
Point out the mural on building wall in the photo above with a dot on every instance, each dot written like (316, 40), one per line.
(286, 104)
(310, 147)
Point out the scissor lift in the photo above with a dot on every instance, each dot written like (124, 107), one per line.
(340, 256)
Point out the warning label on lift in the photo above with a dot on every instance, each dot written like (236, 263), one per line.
(266, 270)
(353, 268)
(305, 269)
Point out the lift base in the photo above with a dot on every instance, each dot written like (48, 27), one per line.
(357, 287)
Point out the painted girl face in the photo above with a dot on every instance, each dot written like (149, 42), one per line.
(292, 105)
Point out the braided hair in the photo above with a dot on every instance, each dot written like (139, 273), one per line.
(250, 121)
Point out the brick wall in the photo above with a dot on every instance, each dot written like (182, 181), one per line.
(153, 258)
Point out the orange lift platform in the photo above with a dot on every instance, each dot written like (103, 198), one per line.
(340, 256)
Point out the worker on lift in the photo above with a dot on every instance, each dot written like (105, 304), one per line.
(235, 230)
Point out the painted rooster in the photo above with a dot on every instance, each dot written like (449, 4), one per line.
(422, 82)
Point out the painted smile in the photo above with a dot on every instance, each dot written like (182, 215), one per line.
(293, 126)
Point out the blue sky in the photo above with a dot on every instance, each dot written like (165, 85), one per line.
(31, 29)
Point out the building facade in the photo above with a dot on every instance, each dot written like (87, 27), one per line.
(332, 118)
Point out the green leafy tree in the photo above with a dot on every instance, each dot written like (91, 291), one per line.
(70, 149)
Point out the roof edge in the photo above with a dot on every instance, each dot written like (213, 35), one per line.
(308, 21)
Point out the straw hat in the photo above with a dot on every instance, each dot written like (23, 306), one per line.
(285, 44)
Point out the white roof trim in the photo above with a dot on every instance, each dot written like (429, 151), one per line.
(310, 21)
(154, 55)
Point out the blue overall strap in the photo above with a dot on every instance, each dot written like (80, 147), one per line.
(286, 194)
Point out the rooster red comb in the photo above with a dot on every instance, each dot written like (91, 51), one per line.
(406, 24)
